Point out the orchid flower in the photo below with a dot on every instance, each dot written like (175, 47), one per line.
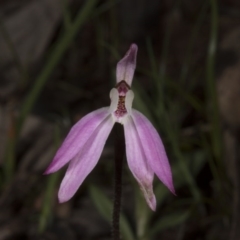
(84, 144)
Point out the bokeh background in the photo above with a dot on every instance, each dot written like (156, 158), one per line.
(57, 63)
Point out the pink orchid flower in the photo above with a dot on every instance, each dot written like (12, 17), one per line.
(85, 142)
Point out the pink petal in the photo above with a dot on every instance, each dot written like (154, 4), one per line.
(154, 149)
(137, 162)
(85, 160)
(76, 138)
(126, 66)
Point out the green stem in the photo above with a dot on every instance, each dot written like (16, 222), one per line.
(119, 155)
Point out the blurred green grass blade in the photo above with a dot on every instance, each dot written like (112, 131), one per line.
(1, 181)
(104, 206)
(194, 161)
(164, 53)
(212, 164)
(172, 135)
(189, 98)
(114, 26)
(113, 51)
(166, 44)
(100, 38)
(168, 221)
(193, 38)
(105, 6)
(54, 58)
(142, 101)
(197, 160)
(52, 181)
(161, 192)
(66, 14)
(142, 213)
(11, 47)
(9, 157)
(211, 91)
(158, 77)
(46, 212)
(152, 58)
(9, 160)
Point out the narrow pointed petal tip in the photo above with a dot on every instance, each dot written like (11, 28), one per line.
(152, 203)
(149, 196)
(133, 47)
(171, 188)
(62, 198)
(126, 66)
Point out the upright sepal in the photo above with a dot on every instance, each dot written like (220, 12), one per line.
(126, 66)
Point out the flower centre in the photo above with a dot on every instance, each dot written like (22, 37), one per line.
(121, 109)
(122, 88)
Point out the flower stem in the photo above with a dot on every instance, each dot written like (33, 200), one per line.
(119, 155)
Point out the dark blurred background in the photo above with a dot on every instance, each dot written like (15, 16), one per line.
(57, 63)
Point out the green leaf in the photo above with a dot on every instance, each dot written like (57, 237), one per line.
(170, 220)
